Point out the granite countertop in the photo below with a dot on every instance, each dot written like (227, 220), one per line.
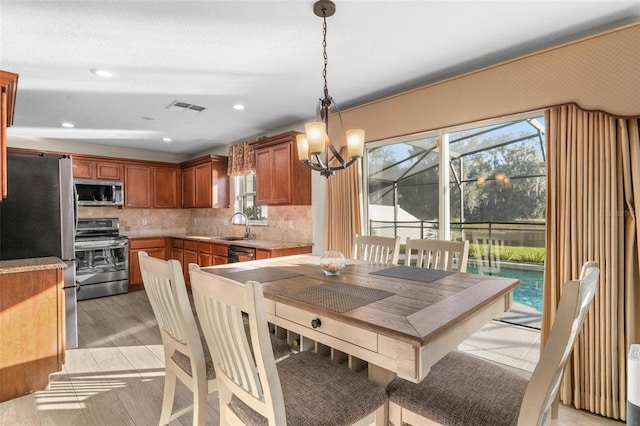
(29, 265)
(254, 243)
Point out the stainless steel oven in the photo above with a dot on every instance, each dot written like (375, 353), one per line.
(102, 258)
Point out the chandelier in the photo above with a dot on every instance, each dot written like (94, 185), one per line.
(314, 147)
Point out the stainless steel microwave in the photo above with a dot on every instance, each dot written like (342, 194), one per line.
(94, 192)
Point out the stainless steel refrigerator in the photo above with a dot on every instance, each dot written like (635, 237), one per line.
(37, 219)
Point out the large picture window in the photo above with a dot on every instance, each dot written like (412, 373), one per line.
(484, 183)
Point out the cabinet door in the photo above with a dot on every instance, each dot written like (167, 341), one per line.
(31, 335)
(281, 174)
(263, 177)
(176, 254)
(108, 171)
(220, 185)
(189, 257)
(82, 169)
(3, 145)
(205, 259)
(165, 188)
(219, 260)
(189, 187)
(262, 254)
(203, 185)
(135, 275)
(137, 186)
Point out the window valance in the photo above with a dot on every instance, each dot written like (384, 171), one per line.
(242, 159)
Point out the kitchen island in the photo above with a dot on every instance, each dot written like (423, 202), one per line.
(32, 332)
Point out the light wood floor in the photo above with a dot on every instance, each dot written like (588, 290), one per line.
(116, 376)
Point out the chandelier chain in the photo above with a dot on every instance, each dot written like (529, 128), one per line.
(324, 54)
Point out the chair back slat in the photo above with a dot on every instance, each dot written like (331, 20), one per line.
(169, 302)
(245, 365)
(437, 254)
(235, 356)
(168, 317)
(577, 297)
(372, 248)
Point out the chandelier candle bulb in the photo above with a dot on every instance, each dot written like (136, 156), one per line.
(355, 142)
(316, 137)
(303, 147)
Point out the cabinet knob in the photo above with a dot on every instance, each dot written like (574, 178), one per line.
(315, 323)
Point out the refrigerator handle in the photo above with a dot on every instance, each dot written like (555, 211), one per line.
(75, 209)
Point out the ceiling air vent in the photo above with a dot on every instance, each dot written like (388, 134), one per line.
(185, 107)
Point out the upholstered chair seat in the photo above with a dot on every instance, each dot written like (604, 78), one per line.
(463, 390)
(321, 395)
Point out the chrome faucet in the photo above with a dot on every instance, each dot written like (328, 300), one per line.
(246, 222)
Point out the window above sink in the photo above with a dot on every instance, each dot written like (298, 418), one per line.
(245, 200)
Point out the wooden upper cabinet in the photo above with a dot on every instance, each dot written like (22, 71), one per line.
(281, 178)
(205, 182)
(204, 185)
(96, 169)
(166, 187)
(82, 168)
(147, 184)
(8, 91)
(151, 187)
(189, 187)
(138, 186)
(108, 171)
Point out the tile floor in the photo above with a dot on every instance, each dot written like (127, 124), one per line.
(116, 376)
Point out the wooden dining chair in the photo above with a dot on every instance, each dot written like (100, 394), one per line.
(281, 348)
(373, 248)
(186, 354)
(462, 390)
(437, 254)
(303, 389)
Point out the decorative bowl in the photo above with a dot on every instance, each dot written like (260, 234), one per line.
(332, 263)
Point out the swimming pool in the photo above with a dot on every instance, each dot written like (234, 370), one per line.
(529, 292)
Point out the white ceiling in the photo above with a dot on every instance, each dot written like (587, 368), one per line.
(266, 55)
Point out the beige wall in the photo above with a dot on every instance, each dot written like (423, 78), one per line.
(600, 72)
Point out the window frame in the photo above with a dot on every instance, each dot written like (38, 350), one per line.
(241, 195)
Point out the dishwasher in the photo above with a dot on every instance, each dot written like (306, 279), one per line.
(240, 254)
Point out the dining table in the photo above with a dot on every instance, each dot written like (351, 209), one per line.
(396, 320)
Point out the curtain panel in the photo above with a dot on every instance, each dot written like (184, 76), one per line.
(343, 209)
(593, 193)
(242, 159)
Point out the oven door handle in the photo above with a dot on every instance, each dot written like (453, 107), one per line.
(81, 247)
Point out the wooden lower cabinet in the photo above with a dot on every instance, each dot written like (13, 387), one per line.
(31, 330)
(155, 247)
(190, 256)
(208, 253)
(199, 252)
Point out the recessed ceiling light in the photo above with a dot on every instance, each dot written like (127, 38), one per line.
(101, 73)
(67, 124)
(238, 107)
(166, 139)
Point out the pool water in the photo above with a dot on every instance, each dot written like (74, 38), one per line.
(529, 292)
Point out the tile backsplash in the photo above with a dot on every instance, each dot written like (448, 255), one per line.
(287, 223)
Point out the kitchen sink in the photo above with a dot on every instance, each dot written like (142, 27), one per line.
(230, 238)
